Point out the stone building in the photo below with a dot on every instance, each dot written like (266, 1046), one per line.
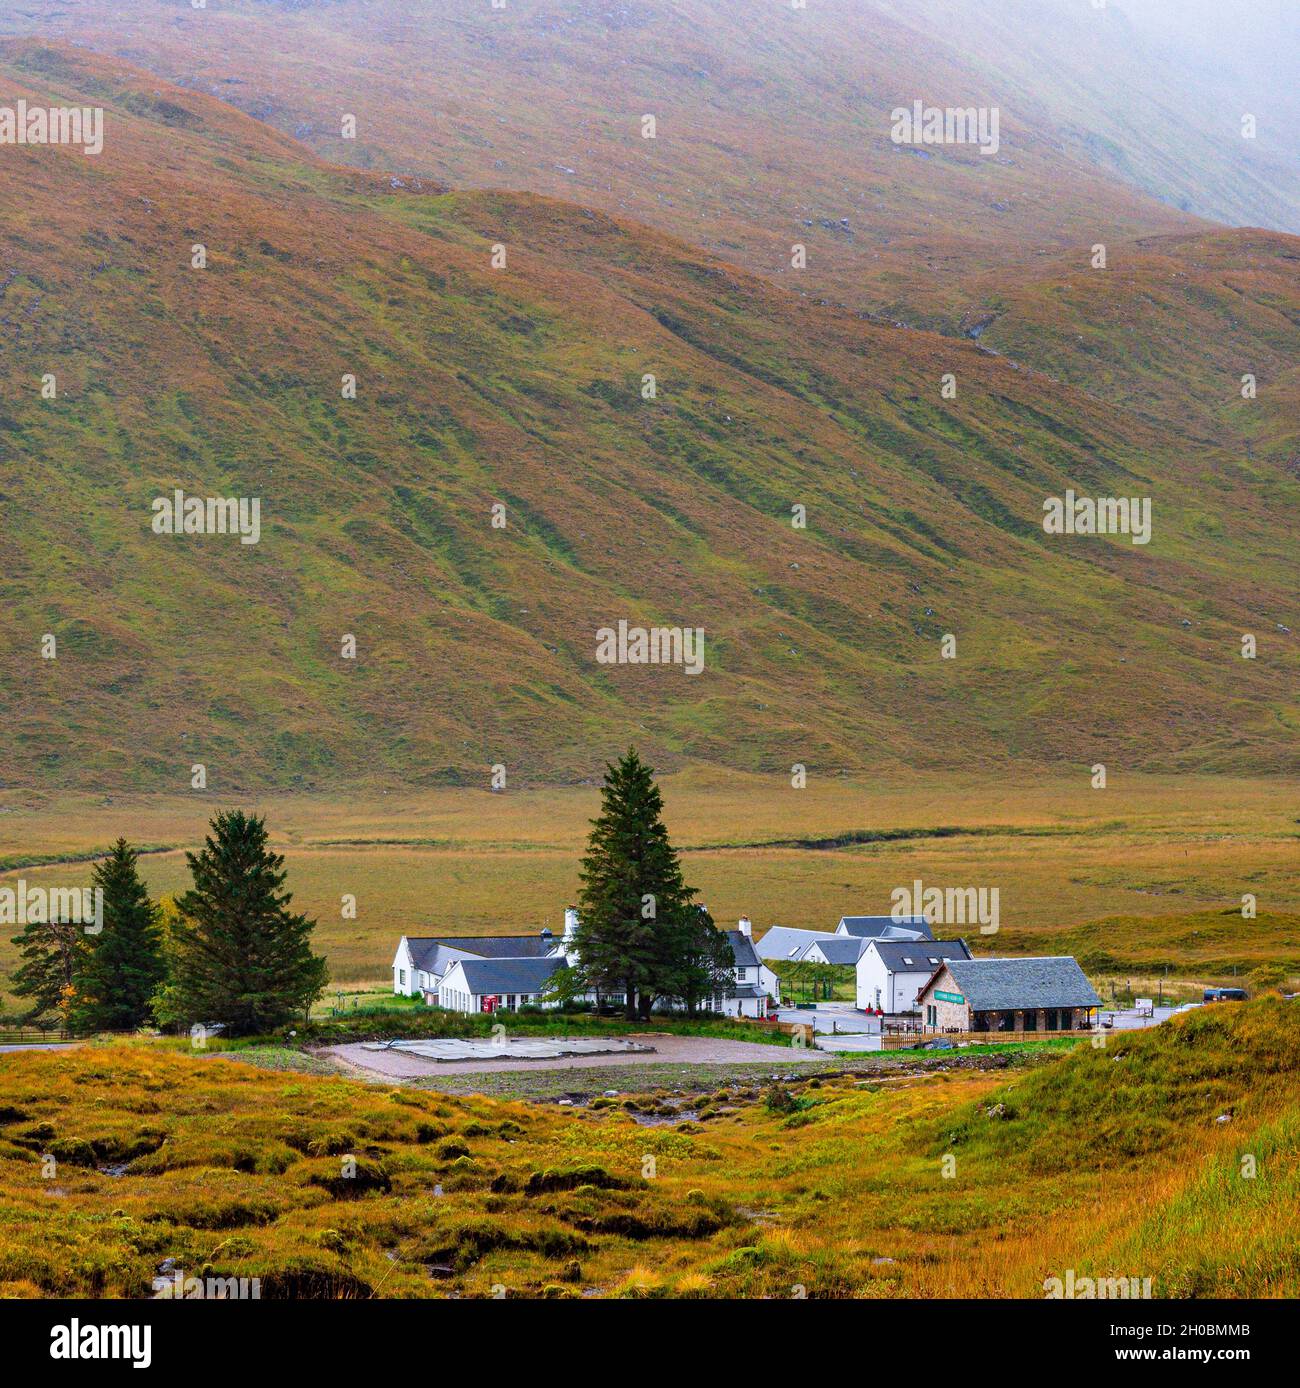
(1012, 995)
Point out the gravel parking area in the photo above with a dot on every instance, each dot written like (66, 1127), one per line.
(666, 1050)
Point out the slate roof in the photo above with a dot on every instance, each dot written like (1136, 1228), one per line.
(435, 955)
(886, 927)
(838, 949)
(785, 942)
(1002, 985)
(925, 955)
(742, 949)
(509, 975)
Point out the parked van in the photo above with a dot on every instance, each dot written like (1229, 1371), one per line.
(1225, 995)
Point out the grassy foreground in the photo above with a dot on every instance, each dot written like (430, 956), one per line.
(1170, 1155)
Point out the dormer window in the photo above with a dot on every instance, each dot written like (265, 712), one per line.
(906, 960)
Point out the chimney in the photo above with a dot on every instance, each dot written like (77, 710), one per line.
(570, 922)
(745, 927)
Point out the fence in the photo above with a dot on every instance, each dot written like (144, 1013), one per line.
(979, 1038)
(29, 1036)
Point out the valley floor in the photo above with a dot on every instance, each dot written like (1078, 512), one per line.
(1148, 873)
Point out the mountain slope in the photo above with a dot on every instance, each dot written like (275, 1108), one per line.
(523, 386)
(772, 124)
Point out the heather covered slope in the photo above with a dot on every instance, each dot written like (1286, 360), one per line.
(772, 124)
(523, 386)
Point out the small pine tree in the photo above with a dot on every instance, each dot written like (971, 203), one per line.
(51, 952)
(122, 965)
(634, 904)
(238, 955)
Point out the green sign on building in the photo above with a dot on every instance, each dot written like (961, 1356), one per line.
(948, 997)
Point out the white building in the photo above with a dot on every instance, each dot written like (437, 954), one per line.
(841, 951)
(891, 973)
(487, 973)
(497, 985)
(748, 996)
(422, 961)
(885, 927)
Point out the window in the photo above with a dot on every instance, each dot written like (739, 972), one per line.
(401, 977)
(1051, 1020)
(1031, 1019)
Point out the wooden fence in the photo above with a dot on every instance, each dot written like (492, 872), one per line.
(980, 1038)
(28, 1036)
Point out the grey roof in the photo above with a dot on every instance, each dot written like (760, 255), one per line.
(1002, 985)
(435, 955)
(918, 956)
(509, 975)
(785, 942)
(886, 927)
(745, 990)
(742, 949)
(838, 949)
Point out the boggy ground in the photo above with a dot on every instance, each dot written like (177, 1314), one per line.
(1170, 1154)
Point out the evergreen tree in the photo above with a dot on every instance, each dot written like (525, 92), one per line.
(238, 955)
(122, 965)
(699, 961)
(634, 909)
(51, 952)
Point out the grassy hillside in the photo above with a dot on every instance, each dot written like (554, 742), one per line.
(769, 132)
(1110, 1162)
(523, 386)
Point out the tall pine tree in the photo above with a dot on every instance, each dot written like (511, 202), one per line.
(123, 964)
(634, 907)
(238, 954)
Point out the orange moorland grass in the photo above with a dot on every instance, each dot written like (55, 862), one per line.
(1147, 1157)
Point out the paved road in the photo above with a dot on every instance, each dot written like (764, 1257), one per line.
(41, 1046)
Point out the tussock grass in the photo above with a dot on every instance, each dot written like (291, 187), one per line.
(1172, 1154)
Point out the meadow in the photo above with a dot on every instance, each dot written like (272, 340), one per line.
(1146, 1157)
(1142, 877)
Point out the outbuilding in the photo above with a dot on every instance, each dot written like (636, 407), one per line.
(1012, 995)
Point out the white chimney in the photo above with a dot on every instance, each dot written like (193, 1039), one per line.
(570, 922)
(745, 927)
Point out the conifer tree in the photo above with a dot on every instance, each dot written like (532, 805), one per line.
(122, 964)
(239, 956)
(634, 908)
(51, 953)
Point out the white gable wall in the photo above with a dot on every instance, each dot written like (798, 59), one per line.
(404, 981)
(891, 992)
